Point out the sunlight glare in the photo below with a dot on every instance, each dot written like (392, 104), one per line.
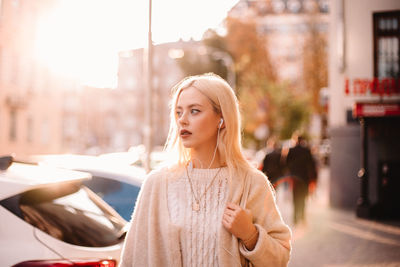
(177, 19)
(81, 39)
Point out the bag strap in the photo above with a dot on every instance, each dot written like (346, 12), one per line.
(245, 194)
(243, 203)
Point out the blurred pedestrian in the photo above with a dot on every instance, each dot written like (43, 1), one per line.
(274, 162)
(211, 207)
(302, 168)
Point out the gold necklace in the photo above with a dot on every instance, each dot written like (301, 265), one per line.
(196, 204)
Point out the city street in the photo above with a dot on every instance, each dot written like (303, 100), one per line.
(336, 238)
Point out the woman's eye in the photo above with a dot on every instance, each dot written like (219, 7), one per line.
(194, 111)
(178, 113)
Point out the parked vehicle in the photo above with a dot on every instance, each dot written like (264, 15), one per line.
(118, 184)
(50, 218)
(136, 157)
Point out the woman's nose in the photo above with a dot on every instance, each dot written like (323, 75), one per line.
(183, 119)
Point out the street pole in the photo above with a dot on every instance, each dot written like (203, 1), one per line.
(363, 206)
(148, 68)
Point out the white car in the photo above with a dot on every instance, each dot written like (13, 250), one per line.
(136, 158)
(115, 182)
(49, 218)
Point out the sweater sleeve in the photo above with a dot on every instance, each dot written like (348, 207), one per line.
(150, 239)
(139, 226)
(273, 245)
(126, 259)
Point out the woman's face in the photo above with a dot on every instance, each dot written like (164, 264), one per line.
(197, 120)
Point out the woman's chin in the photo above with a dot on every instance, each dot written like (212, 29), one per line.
(186, 144)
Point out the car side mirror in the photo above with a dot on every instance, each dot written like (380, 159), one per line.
(5, 162)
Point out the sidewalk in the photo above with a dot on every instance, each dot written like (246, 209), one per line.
(337, 238)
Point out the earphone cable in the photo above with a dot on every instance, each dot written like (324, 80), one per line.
(215, 150)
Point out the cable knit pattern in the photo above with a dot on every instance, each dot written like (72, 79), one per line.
(153, 240)
(198, 229)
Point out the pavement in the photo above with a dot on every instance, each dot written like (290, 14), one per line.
(337, 238)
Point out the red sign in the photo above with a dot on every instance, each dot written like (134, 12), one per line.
(376, 109)
(365, 87)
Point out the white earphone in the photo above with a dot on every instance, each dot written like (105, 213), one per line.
(220, 123)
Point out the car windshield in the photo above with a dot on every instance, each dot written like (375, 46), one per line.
(71, 213)
(119, 195)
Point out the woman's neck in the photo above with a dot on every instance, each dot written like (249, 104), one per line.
(206, 160)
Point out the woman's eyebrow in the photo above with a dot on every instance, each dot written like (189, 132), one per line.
(190, 106)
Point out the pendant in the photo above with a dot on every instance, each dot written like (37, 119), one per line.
(195, 206)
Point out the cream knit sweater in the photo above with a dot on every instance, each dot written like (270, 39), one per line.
(154, 240)
(199, 229)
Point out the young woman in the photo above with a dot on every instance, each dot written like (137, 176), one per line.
(211, 207)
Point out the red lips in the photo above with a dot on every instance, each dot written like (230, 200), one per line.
(184, 132)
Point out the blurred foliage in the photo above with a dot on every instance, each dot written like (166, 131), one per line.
(249, 50)
(263, 99)
(215, 41)
(315, 69)
(194, 63)
(315, 65)
(275, 105)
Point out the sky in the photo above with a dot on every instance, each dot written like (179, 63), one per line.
(81, 38)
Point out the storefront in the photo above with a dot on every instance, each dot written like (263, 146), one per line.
(364, 107)
(380, 159)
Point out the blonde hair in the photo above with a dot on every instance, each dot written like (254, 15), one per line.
(225, 103)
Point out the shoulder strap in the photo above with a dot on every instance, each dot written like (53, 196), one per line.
(245, 194)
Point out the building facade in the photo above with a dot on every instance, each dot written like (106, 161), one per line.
(42, 112)
(364, 111)
(166, 73)
(286, 23)
(30, 102)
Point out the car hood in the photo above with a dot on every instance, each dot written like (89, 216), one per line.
(19, 178)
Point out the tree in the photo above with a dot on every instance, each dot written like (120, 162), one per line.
(315, 68)
(274, 104)
(249, 49)
(194, 63)
(264, 100)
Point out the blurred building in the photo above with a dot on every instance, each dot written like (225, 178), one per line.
(364, 106)
(30, 99)
(44, 112)
(98, 120)
(166, 73)
(290, 27)
(286, 24)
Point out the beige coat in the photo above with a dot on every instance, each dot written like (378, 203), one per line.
(153, 240)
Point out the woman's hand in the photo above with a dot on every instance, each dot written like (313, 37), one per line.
(239, 222)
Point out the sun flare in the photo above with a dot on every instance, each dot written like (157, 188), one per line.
(81, 39)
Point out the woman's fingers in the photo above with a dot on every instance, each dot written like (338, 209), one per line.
(230, 212)
(232, 206)
(235, 210)
(227, 222)
(237, 220)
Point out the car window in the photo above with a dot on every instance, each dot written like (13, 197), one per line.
(71, 213)
(119, 195)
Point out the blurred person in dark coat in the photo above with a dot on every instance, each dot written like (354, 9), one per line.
(273, 163)
(302, 167)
